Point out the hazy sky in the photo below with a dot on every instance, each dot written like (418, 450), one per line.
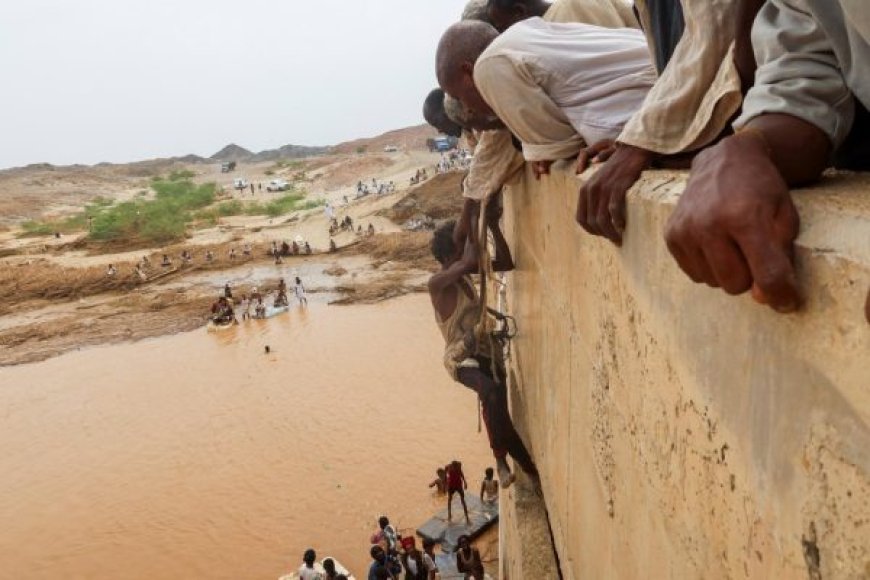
(123, 80)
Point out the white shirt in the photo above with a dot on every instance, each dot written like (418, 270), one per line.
(428, 562)
(558, 86)
(306, 573)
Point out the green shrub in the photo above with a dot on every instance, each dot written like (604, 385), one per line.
(37, 228)
(182, 175)
(161, 220)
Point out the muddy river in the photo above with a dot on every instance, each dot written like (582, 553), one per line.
(201, 456)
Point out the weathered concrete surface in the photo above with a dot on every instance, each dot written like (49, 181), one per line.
(524, 529)
(680, 432)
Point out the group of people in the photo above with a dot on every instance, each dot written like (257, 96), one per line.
(754, 96)
(396, 557)
(346, 225)
(326, 570)
(375, 187)
(295, 248)
(457, 159)
(225, 311)
(420, 176)
(450, 480)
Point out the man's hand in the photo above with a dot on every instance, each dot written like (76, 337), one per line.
(735, 225)
(596, 153)
(601, 205)
(540, 168)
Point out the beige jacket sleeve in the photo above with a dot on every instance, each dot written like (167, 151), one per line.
(495, 163)
(518, 100)
(604, 13)
(798, 71)
(699, 91)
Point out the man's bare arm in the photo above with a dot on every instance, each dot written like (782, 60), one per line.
(466, 226)
(467, 264)
(799, 150)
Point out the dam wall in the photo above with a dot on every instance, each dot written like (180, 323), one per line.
(681, 432)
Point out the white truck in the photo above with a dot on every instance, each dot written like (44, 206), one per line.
(240, 183)
(277, 185)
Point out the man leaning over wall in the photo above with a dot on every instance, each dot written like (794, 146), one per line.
(693, 45)
(735, 225)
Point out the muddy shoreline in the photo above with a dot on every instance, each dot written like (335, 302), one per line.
(63, 300)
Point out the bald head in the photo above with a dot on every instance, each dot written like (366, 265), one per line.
(459, 48)
(461, 45)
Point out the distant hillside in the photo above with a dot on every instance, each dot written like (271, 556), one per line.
(232, 152)
(409, 138)
(290, 152)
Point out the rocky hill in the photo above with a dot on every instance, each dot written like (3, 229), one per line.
(290, 152)
(232, 152)
(407, 139)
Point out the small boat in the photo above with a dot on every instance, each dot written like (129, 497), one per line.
(275, 311)
(319, 568)
(213, 326)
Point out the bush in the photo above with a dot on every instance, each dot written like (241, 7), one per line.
(37, 228)
(161, 220)
(182, 175)
(282, 205)
(69, 225)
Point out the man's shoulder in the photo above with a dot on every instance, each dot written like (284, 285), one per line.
(514, 37)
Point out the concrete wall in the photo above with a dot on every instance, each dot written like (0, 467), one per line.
(682, 433)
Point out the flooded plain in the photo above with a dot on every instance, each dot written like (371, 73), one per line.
(201, 456)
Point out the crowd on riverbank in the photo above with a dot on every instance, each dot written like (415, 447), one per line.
(394, 555)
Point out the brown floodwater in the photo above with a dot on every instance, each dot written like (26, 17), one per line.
(200, 456)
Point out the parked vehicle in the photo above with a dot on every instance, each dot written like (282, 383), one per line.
(278, 185)
(228, 166)
(442, 143)
(390, 149)
(240, 183)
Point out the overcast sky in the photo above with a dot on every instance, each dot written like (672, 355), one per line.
(87, 81)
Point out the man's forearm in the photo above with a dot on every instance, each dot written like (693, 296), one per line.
(799, 149)
(467, 223)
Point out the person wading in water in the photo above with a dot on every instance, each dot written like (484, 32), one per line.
(457, 311)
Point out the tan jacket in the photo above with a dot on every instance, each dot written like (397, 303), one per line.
(699, 91)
